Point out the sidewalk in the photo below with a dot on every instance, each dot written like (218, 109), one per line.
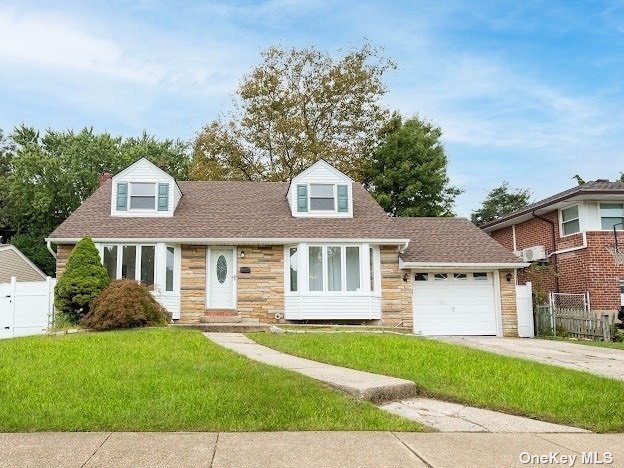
(297, 449)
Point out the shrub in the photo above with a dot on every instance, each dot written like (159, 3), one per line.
(82, 281)
(125, 304)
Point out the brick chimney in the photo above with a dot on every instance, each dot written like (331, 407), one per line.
(104, 177)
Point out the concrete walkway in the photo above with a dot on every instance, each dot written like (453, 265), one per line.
(364, 385)
(452, 417)
(443, 416)
(601, 361)
(297, 449)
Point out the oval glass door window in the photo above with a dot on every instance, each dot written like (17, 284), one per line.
(221, 269)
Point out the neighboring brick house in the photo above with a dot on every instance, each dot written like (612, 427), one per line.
(316, 249)
(576, 229)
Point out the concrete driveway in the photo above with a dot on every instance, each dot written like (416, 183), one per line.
(602, 361)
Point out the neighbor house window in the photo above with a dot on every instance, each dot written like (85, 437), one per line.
(322, 197)
(293, 262)
(169, 265)
(570, 220)
(142, 196)
(611, 214)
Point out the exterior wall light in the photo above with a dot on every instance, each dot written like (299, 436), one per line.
(509, 277)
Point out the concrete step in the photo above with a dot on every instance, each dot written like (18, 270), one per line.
(234, 327)
(219, 319)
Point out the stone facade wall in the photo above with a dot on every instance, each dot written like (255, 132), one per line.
(193, 283)
(261, 292)
(62, 254)
(396, 294)
(509, 310)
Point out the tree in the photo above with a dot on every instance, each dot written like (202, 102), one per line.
(35, 249)
(499, 202)
(82, 281)
(407, 172)
(294, 108)
(50, 175)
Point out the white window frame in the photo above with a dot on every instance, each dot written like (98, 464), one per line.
(142, 210)
(173, 292)
(561, 222)
(600, 214)
(335, 195)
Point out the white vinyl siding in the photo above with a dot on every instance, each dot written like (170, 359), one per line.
(145, 177)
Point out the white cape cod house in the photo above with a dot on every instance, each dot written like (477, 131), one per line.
(317, 248)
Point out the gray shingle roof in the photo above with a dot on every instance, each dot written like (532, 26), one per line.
(592, 187)
(450, 240)
(225, 210)
(259, 210)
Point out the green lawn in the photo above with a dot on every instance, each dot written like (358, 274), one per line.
(599, 344)
(163, 380)
(470, 376)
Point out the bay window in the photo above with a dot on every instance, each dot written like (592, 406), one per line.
(170, 261)
(353, 268)
(109, 258)
(611, 215)
(315, 268)
(148, 264)
(333, 268)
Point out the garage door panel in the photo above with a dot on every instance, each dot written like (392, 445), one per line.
(454, 307)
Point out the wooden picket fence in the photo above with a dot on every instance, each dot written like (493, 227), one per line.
(576, 323)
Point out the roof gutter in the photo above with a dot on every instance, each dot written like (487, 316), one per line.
(230, 240)
(462, 265)
(49, 246)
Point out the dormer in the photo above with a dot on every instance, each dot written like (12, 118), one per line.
(144, 190)
(321, 191)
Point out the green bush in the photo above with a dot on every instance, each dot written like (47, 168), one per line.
(34, 247)
(125, 304)
(82, 281)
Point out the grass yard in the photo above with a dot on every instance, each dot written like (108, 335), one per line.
(470, 376)
(599, 344)
(163, 380)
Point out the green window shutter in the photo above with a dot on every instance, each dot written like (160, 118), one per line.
(163, 197)
(122, 196)
(343, 199)
(302, 198)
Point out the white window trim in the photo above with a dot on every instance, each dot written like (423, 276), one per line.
(578, 217)
(176, 279)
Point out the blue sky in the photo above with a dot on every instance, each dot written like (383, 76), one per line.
(527, 92)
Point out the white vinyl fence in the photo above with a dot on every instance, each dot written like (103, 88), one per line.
(524, 306)
(26, 308)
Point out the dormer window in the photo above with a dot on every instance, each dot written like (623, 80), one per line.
(322, 197)
(142, 196)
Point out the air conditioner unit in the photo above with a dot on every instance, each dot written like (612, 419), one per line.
(533, 254)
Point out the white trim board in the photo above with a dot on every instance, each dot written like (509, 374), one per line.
(231, 240)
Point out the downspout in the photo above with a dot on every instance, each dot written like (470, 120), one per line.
(554, 241)
(49, 245)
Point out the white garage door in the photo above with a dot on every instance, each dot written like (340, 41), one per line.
(454, 303)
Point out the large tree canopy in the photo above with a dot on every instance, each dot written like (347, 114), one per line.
(295, 107)
(44, 178)
(499, 202)
(407, 172)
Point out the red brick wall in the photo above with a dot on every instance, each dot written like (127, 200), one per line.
(591, 269)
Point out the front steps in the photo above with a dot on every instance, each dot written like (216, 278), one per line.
(232, 327)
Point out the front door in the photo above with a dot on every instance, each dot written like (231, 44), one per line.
(221, 278)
